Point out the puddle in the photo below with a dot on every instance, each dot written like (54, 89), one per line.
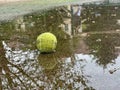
(87, 55)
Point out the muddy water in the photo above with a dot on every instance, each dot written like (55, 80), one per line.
(90, 61)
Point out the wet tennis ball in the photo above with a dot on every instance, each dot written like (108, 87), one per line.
(46, 42)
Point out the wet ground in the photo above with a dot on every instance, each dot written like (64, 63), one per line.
(88, 59)
(10, 9)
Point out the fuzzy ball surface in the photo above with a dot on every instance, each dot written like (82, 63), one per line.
(46, 42)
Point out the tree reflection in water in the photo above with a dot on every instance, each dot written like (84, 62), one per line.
(102, 46)
(23, 71)
(64, 73)
(16, 69)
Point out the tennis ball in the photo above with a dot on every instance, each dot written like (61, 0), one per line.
(46, 42)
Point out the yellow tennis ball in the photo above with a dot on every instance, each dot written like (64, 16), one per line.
(46, 42)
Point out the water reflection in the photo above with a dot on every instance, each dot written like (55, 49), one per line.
(103, 47)
(47, 61)
(47, 72)
(73, 65)
(66, 73)
(101, 18)
(16, 67)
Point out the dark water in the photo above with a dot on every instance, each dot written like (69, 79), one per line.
(86, 58)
